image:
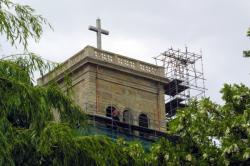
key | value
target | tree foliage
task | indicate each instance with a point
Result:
(208, 133)
(211, 134)
(246, 53)
(19, 23)
(26, 108)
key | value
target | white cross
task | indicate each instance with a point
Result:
(99, 31)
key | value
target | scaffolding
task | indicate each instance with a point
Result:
(184, 69)
(185, 72)
(116, 122)
(133, 128)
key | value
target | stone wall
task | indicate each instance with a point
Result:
(100, 87)
(101, 79)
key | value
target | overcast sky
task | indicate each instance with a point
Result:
(142, 29)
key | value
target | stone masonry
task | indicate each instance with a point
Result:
(101, 79)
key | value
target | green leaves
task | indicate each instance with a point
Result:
(25, 109)
(28, 108)
(237, 97)
(213, 134)
(27, 121)
(56, 139)
(247, 53)
(209, 134)
(5, 151)
(19, 23)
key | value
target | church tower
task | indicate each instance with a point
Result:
(111, 86)
(115, 91)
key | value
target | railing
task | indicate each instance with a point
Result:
(129, 62)
(62, 68)
(90, 108)
(103, 56)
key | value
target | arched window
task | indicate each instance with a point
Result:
(127, 117)
(111, 111)
(143, 120)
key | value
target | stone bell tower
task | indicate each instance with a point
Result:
(114, 90)
(106, 84)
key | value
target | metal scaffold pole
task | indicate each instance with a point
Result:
(184, 69)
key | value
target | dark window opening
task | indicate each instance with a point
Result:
(113, 113)
(143, 122)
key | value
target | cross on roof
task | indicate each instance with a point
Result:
(99, 31)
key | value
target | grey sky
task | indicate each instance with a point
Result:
(144, 28)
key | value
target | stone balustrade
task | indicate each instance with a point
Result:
(129, 62)
(105, 56)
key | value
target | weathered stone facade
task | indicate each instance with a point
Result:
(102, 79)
